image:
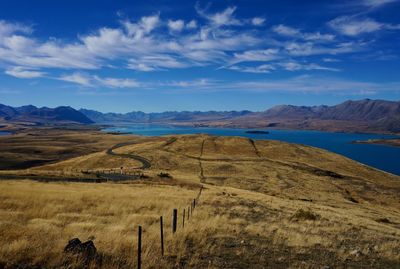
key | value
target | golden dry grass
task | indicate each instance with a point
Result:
(231, 228)
(38, 219)
(266, 204)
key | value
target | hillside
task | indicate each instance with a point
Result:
(265, 204)
(43, 115)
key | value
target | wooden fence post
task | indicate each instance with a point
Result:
(188, 212)
(174, 220)
(183, 219)
(139, 257)
(162, 236)
(194, 203)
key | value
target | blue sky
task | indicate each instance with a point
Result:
(119, 55)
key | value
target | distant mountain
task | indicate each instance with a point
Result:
(32, 114)
(362, 110)
(378, 116)
(162, 117)
(7, 112)
(364, 115)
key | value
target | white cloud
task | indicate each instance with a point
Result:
(223, 18)
(192, 24)
(285, 30)
(330, 60)
(149, 23)
(201, 83)
(257, 21)
(77, 78)
(21, 72)
(318, 36)
(145, 26)
(96, 81)
(155, 62)
(261, 69)
(377, 3)
(296, 33)
(117, 82)
(285, 65)
(354, 25)
(256, 56)
(309, 48)
(295, 66)
(300, 84)
(8, 28)
(176, 26)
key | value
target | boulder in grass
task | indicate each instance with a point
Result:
(85, 251)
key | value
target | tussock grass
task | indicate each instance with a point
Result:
(38, 219)
(230, 228)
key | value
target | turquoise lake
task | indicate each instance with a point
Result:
(383, 157)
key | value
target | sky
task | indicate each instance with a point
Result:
(153, 56)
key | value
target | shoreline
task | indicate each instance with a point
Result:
(266, 129)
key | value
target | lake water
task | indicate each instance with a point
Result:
(4, 133)
(386, 158)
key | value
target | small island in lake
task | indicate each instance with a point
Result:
(388, 142)
(257, 132)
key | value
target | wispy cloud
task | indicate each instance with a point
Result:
(21, 72)
(261, 69)
(377, 3)
(355, 25)
(288, 65)
(223, 18)
(298, 84)
(78, 78)
(8, 28)
(117, 82)
(258, 21)
(296, 33)
(295, 66)
(97, 81)
(155, 62)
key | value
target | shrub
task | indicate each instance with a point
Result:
(164, 175)
(302, 214)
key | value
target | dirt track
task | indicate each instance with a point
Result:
(145, 163)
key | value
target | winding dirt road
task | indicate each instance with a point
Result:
(146, 164)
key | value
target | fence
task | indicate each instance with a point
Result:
(190, 209)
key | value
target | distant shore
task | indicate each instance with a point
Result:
(395, 142)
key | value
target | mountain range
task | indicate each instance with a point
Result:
(379, 116)
(43, 115)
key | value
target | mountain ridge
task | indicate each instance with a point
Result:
(359, 116)
(42, 115)
(366, 115)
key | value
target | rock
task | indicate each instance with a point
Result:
(86, 251)
(72, 245)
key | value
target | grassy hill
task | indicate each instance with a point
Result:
(266, 204)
